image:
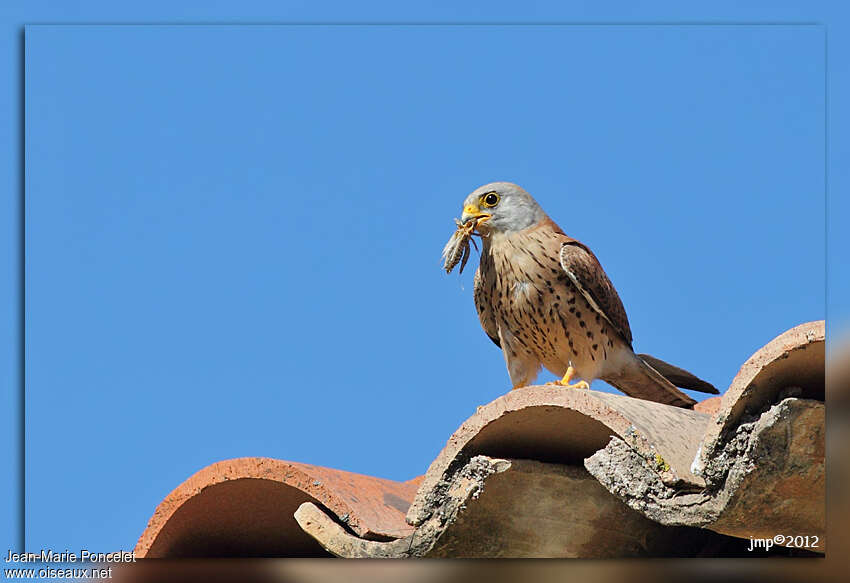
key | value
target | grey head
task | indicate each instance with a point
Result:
(501, 207)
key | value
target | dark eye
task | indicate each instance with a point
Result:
(490, 199)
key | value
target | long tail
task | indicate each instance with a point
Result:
(678, 376)
(639, 379)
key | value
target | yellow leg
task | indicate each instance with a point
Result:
(565, 382)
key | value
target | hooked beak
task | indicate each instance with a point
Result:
(472, 212)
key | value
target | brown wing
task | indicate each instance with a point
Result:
(485, 309)
(587, 275)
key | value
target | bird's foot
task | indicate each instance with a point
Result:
(565, 382)
(578, 385)
(526, 382)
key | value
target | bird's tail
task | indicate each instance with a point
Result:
(641, 378)
(678, 376)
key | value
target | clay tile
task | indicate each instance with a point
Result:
(245, 507)
(709, 406)
(551, 424)
(793, 360)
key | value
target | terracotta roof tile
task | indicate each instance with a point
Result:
(245, 507)
(548, 423)
(544, 471)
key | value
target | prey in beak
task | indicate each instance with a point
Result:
(470, 223)
(472, 212)
(457, 249)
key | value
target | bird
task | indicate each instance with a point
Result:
(544, 299)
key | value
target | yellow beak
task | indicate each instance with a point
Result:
(471, 212)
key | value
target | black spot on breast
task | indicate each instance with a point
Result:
(581, 323)
(595, 346)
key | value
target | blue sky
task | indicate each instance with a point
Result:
(233, 232)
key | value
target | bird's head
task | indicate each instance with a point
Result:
(501, 207)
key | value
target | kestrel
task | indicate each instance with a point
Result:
(545, 300)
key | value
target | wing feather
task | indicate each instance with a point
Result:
(485, 309)
(587, 275)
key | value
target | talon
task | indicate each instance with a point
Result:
(565, 382)
(523, 383)
(578, 385)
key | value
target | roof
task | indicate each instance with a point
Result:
(544, 471)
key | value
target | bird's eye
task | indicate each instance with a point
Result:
(490, 199)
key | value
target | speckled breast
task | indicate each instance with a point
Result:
(533, 298)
